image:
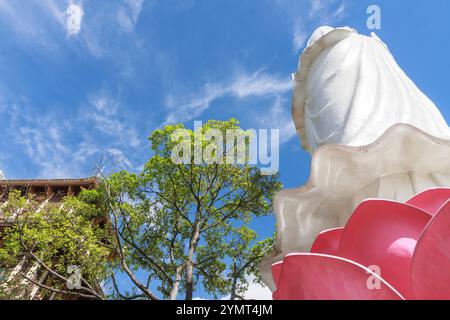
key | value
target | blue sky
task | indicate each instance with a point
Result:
(71, 95)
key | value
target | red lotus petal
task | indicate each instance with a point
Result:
(276, 272)
(384, 233)
(327, 242)
(430, 200)
(308, 276)
(430, 269)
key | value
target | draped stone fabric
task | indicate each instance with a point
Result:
(371, 131)
(350, 90)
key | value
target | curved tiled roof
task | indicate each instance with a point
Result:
(83, 182)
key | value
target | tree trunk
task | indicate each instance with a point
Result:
(190, 262)
(176, 285)
(234, 283)
(233, 288)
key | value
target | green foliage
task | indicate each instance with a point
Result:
(181, 223)
(57, 235)
(245, 253)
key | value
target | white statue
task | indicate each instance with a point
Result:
(350, 90)
(372, 132)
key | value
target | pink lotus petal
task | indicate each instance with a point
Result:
(430, 269)
(384, 233)
(309, 276)
(327, 242)
(430, 200)
(276, 271)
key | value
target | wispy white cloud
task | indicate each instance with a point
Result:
(273, 113)
(299, 36)
(113, 157)
(260, 83)
(43, 23)
(85, 150)
(33, 21)
(310, 14)
(103, 103)
(43, 143)
(128, 14)
(327, 11)
(318, 7)
(119, 159)
(59, 147)
(243, 85)
(54, 9)
(44, 140)
(108, 20)
(50, 24)
(105, 114)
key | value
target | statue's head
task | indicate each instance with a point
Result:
(319, 33)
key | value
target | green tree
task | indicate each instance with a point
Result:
(41, 242)
(182, 222)
(176, 220)
(245, 254)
